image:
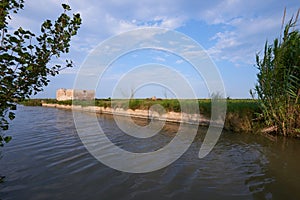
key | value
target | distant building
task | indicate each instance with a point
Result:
(70, 94)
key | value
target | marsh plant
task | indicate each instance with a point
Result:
(278, 87)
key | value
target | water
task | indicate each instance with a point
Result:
(46, 160)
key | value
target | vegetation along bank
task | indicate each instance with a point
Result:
(242, 114)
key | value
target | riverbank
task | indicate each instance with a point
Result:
(239, 117)
(137, 113)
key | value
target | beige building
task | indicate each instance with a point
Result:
(70, 94)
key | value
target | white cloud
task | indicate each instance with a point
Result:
(243, 25)
(161, 59)
(247, 38)
(179, 61)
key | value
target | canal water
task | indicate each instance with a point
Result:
(46, 160)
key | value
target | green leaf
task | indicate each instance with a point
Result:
(13, 107)
(29, 68)
(7, 139)
(4, 127)
(66, 7)
(11, 115)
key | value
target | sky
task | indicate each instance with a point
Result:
(230, 32)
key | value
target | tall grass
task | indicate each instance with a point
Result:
(278, 86)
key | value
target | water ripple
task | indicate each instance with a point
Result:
(46, 160)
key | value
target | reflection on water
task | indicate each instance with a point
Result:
(46, 160)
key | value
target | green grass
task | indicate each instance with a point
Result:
(31, 102)
(242, 106)
(239, 116)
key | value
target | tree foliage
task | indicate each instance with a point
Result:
(25, 57)
(278, 86)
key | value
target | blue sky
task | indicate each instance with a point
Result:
(230, 31)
